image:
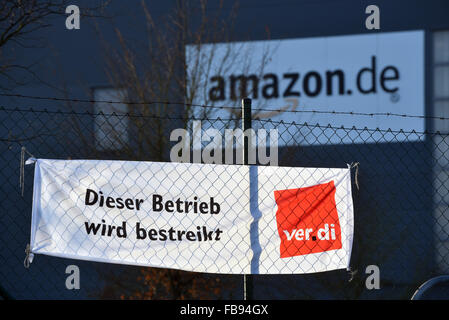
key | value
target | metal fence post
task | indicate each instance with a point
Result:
(246, 124)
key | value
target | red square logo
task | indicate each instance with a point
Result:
(307, 220)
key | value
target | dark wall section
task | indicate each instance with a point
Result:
(392, 208)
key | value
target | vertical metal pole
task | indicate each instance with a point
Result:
(246, 124)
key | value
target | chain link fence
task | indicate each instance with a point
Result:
(400, 206)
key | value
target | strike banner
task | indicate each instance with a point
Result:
(195, 217)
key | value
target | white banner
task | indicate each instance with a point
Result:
(194, 217)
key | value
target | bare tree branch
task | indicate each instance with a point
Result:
(20, 24)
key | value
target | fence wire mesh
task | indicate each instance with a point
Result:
(400, 208)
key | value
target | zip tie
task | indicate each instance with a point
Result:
(352, 273)
(28, 257)
(23, 150)
(22, 171)
(356, 180)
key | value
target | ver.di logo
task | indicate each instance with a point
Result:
(307, 220)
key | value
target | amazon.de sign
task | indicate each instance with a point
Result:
(367, 73)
